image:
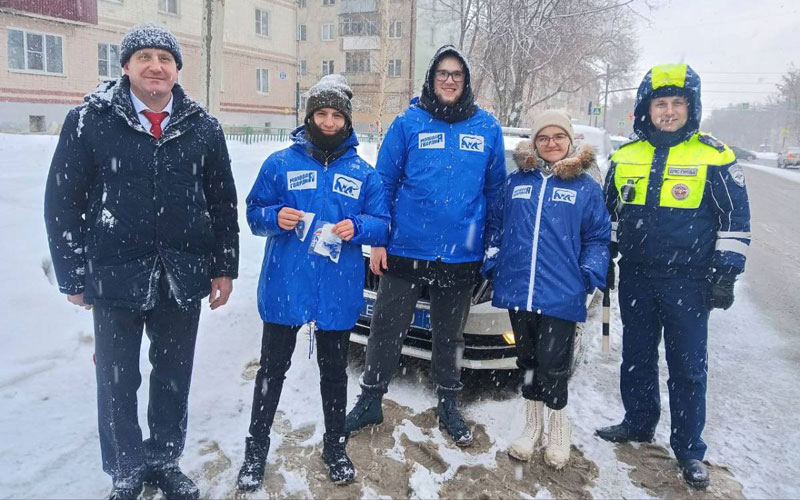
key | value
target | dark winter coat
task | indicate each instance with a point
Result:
(120, 204)
(549, 236)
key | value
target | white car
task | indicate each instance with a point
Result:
(488, 338)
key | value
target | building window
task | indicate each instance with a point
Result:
(328, 32)
(302, 67)
(168, 6)
(357, 26)
(35, 52)
(262, 22)
(396, 29)
(327, 67)
(395, 67)
(328, 2)
(301, 32)
(301, 3)
(108, 60)
(356, 62)
(303, 101)
(262, 80)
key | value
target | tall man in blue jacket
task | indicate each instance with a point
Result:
(442, 163)
(140, 208)
(681, 223)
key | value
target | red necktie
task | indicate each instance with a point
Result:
(155, 121)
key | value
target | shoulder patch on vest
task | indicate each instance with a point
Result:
(710, 140)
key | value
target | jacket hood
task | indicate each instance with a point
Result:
(571, 167)
(115, 94)
(667, 80)
(465, 106)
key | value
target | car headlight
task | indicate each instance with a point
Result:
(508, 336)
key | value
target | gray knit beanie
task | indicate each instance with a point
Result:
(556, 117)
(149, 36)
(331, 91)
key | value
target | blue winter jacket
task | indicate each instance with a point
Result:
(296, 286)
(439, 178)
(549, 237)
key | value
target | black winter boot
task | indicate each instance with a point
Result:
(255, 463)
(622, 433)
(125, 492)
(173, 482)
(694, 473)
(367, 411)
(450, 418)
(334, 454)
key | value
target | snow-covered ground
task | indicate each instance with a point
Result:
(48, 434)
(790, 174)
(765, 156)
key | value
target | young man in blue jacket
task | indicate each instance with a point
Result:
(681, 224)
(140, 208)
(442, 163)
(316, 202)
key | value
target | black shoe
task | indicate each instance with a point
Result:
(367, 411)
(621, 433)
(334, 454)
(172, 482)
(450, 418)
(255, 463)
(694, 473)
(125, 492)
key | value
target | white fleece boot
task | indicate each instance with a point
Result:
(523, 447)
(558, 442)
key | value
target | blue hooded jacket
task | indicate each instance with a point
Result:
(548, 243)
(653, 233)
(439, 179)
(296, 286)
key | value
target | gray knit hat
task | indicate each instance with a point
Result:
(331, 91)
(149, 36)
(556, 117)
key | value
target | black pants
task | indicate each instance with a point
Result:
(393, 313)
(118, 340)
(544, 352)
(277, 346)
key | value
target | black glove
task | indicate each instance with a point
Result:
(720, 293)
(611, 275)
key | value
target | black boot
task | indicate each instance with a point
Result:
(450, 418)
(173, 482)
(255, 462)
(621, 433)
(694, 473)
(334, 454)
(119, 492)
(367, 411)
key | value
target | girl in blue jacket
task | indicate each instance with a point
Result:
(548, 248)
(316, 202)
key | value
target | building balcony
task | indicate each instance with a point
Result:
(361, 43)
(357, 6)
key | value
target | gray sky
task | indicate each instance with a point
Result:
(739, 47)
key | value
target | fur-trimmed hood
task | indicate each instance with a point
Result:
(577, 161)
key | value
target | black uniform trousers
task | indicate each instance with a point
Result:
(172, 330)
(544, 352)
(277, 345)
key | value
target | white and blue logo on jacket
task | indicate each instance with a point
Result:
(523, 192)
(431, 140)
(301, 179)
(346, 186)
(467, 142)
(565, 195)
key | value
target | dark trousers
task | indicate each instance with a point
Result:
(118, 339)
(392, 316)
(544, 352)
(676, 306)
(277, 345)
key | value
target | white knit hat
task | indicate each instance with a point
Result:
(554, 117)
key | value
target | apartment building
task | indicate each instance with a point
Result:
(56, 51)
(377, 45)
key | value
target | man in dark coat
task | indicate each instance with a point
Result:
(140, 208)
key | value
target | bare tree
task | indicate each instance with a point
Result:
(789, 102)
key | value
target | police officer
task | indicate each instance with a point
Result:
(681, 224)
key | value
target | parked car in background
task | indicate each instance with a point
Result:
(488, 338)
(618, 140)
(743, 154)
(789, 158)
